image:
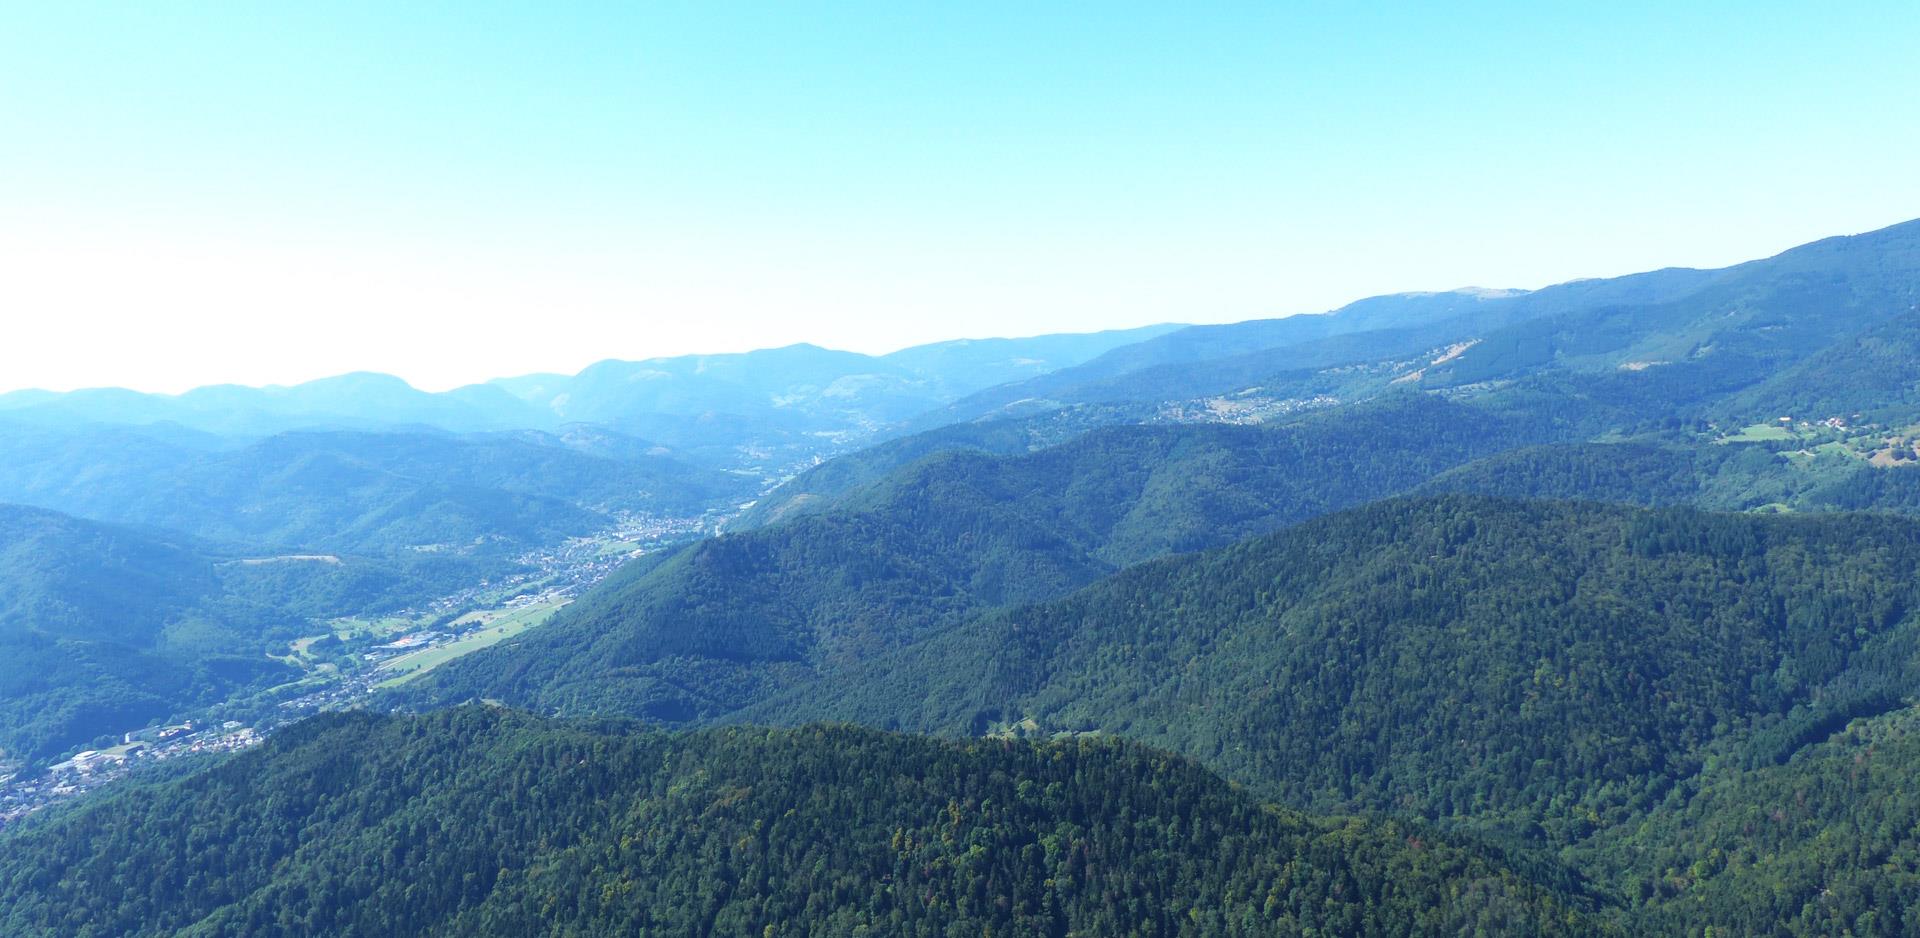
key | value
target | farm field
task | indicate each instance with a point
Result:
(498, 625)
(1761, 433)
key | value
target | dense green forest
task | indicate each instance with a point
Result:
(479, 821)
(1620, 650)
(353, 492)
(1872, 375)
(820, 488)
(1222, 359)
(728, 621)
(1676, 340)
(56, 695)
(879, 549)
(112, 625)
(106, 627)
(1786, 475)
(1551, 677)
(1530, 669)
(1627, 473)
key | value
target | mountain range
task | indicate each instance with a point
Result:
(1582, 610)
(707, 407)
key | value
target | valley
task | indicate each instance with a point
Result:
(1594, 603)
(1010, 470)
(344, 666)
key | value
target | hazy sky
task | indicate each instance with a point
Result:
(255, 192)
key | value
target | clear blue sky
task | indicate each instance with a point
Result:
(272, 192)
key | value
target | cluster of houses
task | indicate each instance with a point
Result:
(25, 793)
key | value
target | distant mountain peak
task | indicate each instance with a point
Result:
(364, 379)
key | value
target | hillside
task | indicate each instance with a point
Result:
(104, 628)
(821, 486)
(1787, 473)
(364, 400)
(1764, 314)
(1672, 341)
(485, 822)
(1824, 844)
(1700, 713)
(1382, 326)
(85, 611)
(1686, 471)
(728, 621)
(69, 578)
(353, 491)
(1874, 375)
(1534, 671)
(1626, 473)
(765, 410)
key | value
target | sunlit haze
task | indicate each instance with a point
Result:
(446, 194)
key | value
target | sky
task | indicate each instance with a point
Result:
(269, 193)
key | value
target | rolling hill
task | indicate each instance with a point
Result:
(811, 491)
(356, 492)
(730, 620)
(1309, 554)
(1533, 671)
(1237, 354)
(484, 822)
(1872, 375)
(765, 409)
(104, 628)
(1823, 844)
(1678, 339)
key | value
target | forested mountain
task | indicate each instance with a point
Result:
(1874, 375)
(1694, 335)
(811, 383)
(812, 491)
(1760, 316)
(1636, 473)
(104, 627)
(762, 408)
(361, 399)
(1616, 707)
(962, 366)
(1784, 474)
(354, 491)
(1394, 424)
(479, 821)
(1240, 354)
(780, 407)
(1742, 477)
(775, 408)
(107, 627)
(70, 578)
(1825, 844)
(1817, 331)
(730, 620)
(1536, 672)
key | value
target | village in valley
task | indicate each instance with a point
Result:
(343, 666)
(22, 793)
